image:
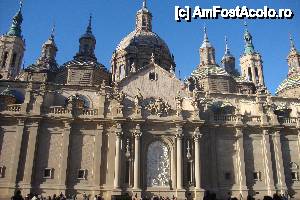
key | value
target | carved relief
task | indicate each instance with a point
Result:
(158, 107)
(158, 165)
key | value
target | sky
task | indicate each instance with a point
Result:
(113, 20)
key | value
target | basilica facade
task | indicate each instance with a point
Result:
(137, 129)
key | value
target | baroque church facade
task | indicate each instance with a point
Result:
(138, 129)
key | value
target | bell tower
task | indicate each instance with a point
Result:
(251, 62)
(12, 47)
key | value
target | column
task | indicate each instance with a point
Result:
(279, 162)
(213, 161)
(197, 137)
(16, 155)
(118, 133)
(136, 164)
(64, 155)
(97, 155)
(179, 136)
(241, 161)
(268, 162)
(28, 169)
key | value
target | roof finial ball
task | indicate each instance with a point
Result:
(144, 3)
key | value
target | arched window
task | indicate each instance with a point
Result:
(4, 59)
(249, 74)
(13, 62)
(158, 165)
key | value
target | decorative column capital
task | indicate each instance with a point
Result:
(197, 134)
(239, 132)
(179, 129)
(137, 132)
(266, 132)
(118, 130)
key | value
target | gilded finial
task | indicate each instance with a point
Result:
(227, 51)
(89, 28)
(205, 33)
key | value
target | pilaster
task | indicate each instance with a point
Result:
(199, 192)
(119, 133)
(241, 162)
(269, 179)
(33, 129)
(97, 156)
(63, 166)
(281, 184)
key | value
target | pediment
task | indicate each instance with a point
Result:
(153, 82)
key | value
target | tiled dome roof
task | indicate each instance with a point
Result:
(204, 71)
(290, 82)
(142, 38)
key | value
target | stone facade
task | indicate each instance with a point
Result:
(78, 128)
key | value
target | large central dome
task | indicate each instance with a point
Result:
(136, 49)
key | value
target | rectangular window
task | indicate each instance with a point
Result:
(48, 173)
(257, 176)
(2, 171)
(294, 176)
(82, 174)
(4, 59)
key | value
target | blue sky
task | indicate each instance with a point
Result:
(113, 20)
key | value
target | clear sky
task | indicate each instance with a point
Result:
(113, 20)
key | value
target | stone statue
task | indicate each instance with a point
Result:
(138, 99)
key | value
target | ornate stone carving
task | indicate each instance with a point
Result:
(158, 165)
(158, 107)
(178, 100)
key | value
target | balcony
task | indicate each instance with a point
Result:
(12, 108)
(60, 111)
(222, 118)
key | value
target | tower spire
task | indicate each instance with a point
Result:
(52, 35)
(89, 27)
(15, 28)
(206, 42)
(227, 50)
(292, 43)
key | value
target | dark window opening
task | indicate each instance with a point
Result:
(4, 59)
(48, 173)
(257, 176)
(249, 74)
(13, 62)
(81, 174)
(144, 21)
(294, 176)
(152, 76)
(256, 74)
(189, 170)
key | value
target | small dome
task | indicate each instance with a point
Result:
(289, 83)
(141, 39)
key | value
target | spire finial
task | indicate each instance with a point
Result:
(21, 5)
(144, 3)
(53, 31)
(227, 50)
(292, 42)
(89, 28)
(246, 25)
(205, 33)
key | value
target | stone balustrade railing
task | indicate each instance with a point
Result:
(13, 108)
(59, 110)
(224, 118)
(89, 112)
(287, 120)
(255, 119)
